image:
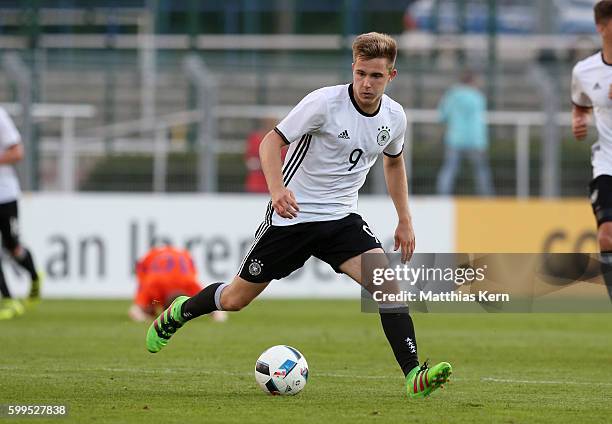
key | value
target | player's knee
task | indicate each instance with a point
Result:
(16, 252)
(604, 236)
(234, 303)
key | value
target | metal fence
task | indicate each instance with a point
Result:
(153, 148)
(146, 116)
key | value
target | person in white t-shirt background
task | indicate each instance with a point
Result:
(335, 134)
(11, 152)
(592, 92)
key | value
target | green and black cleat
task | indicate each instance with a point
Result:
(165, 325)
(422, 381)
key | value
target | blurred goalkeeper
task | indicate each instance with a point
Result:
(163, 274)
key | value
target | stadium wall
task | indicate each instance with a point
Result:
(87, 243)
(527, 226)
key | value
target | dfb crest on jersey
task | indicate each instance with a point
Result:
(383, 135)
(255, 267)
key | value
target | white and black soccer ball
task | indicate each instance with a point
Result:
(281, 370)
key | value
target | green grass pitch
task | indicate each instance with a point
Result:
(510, 368)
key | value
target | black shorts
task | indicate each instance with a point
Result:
(278, 251)
(9, 228)
(600, 190)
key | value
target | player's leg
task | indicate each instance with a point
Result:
(343, 247)
(604, 238)
(5, 233)
(23, 257)
(9, 307)
(222, 297)
(396, 321)
(214, 297)
(192, 287)
(4, 290)
(397, 324)
(20, 253)
(601, 201)
(275, 253)
(343, 244)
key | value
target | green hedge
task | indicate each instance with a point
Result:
(135, 172)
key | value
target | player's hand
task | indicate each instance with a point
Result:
(137, 314)
(579, 127)
(404, 240)
(284, 203)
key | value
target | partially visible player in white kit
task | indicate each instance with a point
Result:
(335, 135)
(11, 152)
(592, 92)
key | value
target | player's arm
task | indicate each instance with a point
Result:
(582, 104)
(397, 186)
(12, 155)
(580, 120)
(283, 200)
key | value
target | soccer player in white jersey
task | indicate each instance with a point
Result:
(11, 151)
(592, 92)
(335, 134)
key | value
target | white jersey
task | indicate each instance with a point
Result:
(333, 145)
(9, 136)
(591, 80)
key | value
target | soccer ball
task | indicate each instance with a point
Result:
(281, 370)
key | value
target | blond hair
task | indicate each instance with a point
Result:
(374, 45)
(603, 11)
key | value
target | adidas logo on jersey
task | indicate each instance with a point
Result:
(596, 86)
(344, 135)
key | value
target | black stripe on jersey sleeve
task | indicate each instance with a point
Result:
(279, 132)
(586, 107)
(293, 157)
(395, 156)
(302, 155)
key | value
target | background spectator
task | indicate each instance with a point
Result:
(255, 179)
(463, 110)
